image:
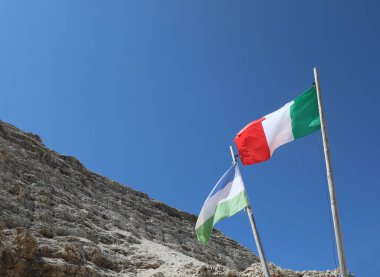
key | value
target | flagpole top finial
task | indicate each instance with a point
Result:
(234, 157)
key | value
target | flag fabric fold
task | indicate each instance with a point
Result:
(226, 199)
(257, 141)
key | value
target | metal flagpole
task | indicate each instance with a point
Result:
(254, 230)
(330, 180)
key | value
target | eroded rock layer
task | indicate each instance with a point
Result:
(59, 219)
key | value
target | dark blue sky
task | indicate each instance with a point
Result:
(152, 93)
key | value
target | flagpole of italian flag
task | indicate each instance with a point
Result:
(330, 180)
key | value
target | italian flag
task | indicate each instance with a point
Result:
(257, 141)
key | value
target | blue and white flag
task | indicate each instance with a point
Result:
(226, 199)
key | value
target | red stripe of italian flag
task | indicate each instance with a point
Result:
(257, 141)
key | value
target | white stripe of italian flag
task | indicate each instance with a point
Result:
(257, 141)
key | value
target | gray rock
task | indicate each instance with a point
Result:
(57, 218)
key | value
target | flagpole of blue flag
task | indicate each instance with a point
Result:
(254, 229)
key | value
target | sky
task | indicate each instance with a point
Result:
(152, 93)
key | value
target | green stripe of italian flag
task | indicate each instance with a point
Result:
(257, 141)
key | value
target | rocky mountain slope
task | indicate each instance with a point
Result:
(59, 219)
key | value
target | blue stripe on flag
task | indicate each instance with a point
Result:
(228, 177)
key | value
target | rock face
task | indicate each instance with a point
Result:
(59, 219)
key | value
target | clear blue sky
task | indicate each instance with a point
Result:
(152, 93)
